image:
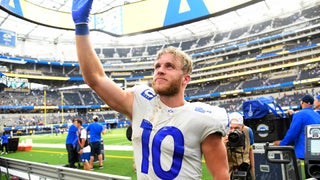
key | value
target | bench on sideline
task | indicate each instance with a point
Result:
(32, 170)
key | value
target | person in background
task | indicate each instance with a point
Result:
(5, 139)
(317, 104)
(71, 144)
(83, 144)
(95, 130)
(240, 156)
(56, 130)
(295, 134)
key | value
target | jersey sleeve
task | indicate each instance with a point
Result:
(143, 101)
(142, 92)
(221, 120)
(216, 121)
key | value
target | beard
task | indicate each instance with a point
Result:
(170, 89)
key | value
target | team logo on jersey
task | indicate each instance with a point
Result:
(148, 94)
(200, 109)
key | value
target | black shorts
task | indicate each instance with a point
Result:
(95, 148)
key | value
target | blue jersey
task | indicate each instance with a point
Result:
(4, 138)
(95, 129)
(72, 135)
(296, 135)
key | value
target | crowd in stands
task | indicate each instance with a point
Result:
(32, 98)
(52, 98)
(256, 81)
(38, 119)
(191, 45)
(286, 100)
(88, 97)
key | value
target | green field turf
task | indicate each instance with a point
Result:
(116, 162)
(112, 137)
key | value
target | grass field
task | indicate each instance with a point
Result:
(116, 162)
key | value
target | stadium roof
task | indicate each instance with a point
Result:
(256, 12)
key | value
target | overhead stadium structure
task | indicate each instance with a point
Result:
(237, 53)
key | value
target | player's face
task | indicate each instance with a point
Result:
(77, 124)
(168, 76)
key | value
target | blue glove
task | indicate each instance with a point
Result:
(80, 14)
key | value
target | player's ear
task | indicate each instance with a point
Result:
(186, 79)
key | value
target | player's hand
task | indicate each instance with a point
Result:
(81, 151)
(290, 112)
(225, 139)
(81, 11)
(276, 143)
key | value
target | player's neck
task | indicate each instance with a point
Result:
(173, 101)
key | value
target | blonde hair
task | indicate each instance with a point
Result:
(178, 55)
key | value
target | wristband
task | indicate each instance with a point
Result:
(82, 29)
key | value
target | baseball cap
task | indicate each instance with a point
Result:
(95, 117)
(307, 99)
(236, 118)
(318, 97)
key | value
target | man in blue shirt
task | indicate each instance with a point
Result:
(317, 104)
(295, 134)
(5, 139)
(95, 129)
(71, 143)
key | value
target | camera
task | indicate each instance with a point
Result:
(312, 150)
(236, 139)
(242, 173)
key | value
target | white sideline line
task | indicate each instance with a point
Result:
(106, 147)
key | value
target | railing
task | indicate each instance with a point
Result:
(32, 170)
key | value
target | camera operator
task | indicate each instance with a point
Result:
(239, 143)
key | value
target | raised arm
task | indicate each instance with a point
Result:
(91, 67)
